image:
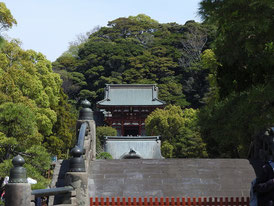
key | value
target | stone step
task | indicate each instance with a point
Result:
(170, 177)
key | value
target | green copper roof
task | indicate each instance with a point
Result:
(131, 95)
(146, 147)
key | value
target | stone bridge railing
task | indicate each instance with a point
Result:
(75, 191)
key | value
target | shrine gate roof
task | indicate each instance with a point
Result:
(131, 95)
(146, 147)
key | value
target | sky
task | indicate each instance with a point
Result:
(48, 26)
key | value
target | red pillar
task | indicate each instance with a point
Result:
(140, 127)
(122, 128)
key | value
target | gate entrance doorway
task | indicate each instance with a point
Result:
(131, 130)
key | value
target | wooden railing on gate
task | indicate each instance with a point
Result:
(200, 201)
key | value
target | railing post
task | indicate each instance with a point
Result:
(77, 163)
(77, 177)
(18, 191)
(86, 115)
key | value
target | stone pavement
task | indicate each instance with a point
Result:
(170, 177)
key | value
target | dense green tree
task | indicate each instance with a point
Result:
(62, 138)
(240, 102)
(7, 146)
(228, 126)
(193, 75)
(179, 131)
(210, 63)
(244, 42)
(138, 50)
(6, 20)
(18, 121)
(35, 118)
(29, 87)
(34, 115)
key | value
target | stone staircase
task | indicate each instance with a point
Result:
(170, 177)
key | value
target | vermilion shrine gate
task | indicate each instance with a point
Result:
(126, 107)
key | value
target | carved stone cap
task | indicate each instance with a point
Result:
(18, 173)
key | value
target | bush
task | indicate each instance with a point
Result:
(179, 131)
(104, 155)
(167, 149)
(101, 132)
